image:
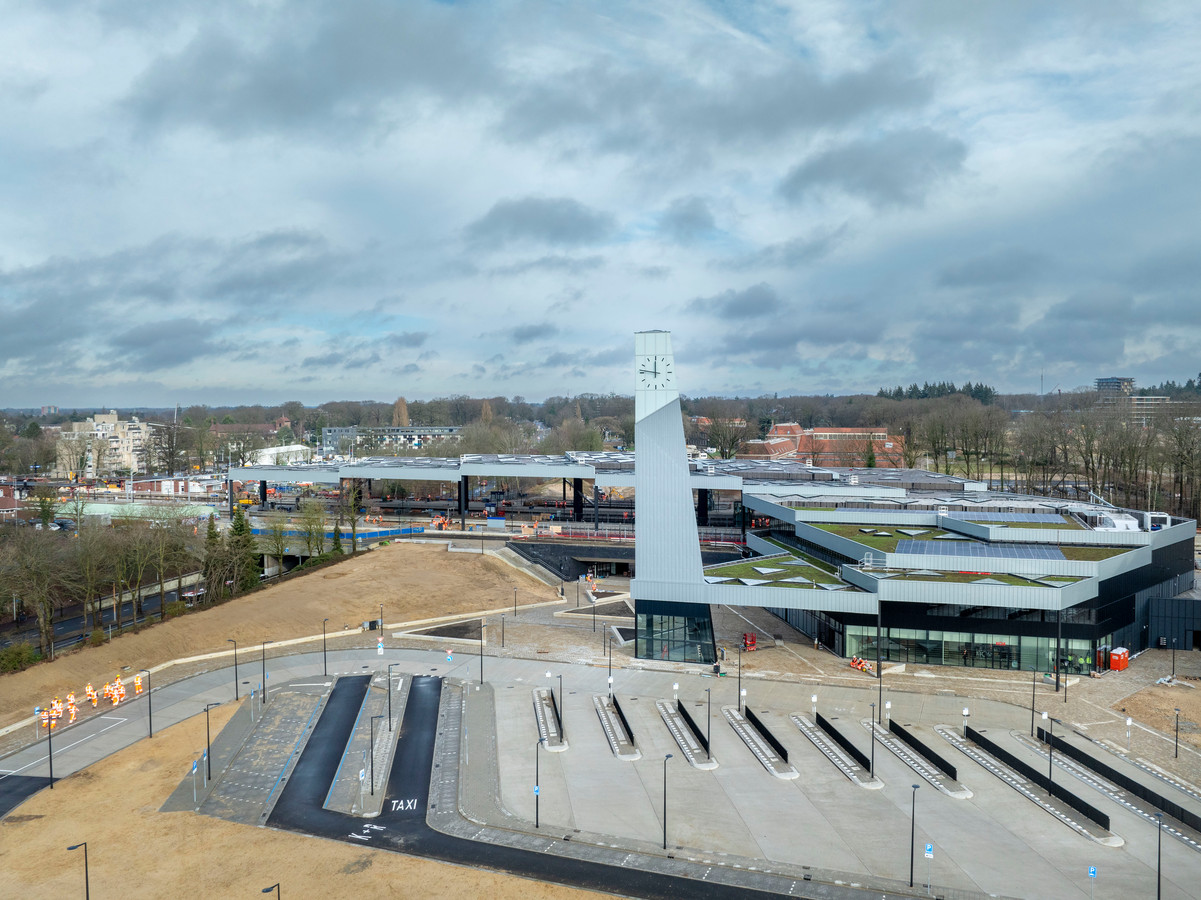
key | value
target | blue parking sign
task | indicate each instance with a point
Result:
(1092, 871)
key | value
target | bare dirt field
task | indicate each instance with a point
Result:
(412, 581)
(1155, 707)
(136, 851)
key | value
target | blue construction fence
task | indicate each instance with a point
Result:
(364, 534)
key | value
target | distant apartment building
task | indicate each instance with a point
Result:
(1118, 394)
(382, 440)
(841, 447)
(100, 445)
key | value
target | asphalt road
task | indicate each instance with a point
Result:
(401, 825)
(69, 629)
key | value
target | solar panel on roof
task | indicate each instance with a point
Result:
(981, 551)
(1031, 518)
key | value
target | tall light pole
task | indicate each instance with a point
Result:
(324, 660)
(1159, 856)
(235, 643)
(966, 713)
(1173, 658)
(208, 742)
(537, 747)
(149, 704)
(515, 609)
(373, 718)
(87, 887)
(1033, 688)
(265, 643)
(274, 887)
(1050, 746)
(502, 631)
(740, 694)
(912, 830)
(665, 759)
(390, 665)
(709, 726)
(50, 749)
(1177, 753)
(483, 633)
(813, 704)
(872, 727)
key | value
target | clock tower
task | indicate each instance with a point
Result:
(667, 552)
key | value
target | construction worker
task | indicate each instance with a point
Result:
(108, 691)
(46, 717)
(72, 709)
(91, 692)
(137, 684)
(71, 699)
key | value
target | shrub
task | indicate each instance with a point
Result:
(96, 638)
(176, 608)
(18, 657)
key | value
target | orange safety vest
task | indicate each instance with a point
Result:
(45, 718)
(137, 684)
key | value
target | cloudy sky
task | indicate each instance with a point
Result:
(230, 202)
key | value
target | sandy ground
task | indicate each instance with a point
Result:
(412, 581)
(136, 851)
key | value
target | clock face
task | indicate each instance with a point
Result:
(655, 373)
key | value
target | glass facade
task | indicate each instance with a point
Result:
(682, 632)
(973, 649)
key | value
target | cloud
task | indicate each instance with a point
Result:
(571, 265)
(532, 332)
(896, 169)
(687, 219)
(1005, 266)
(758, 300)
(791, 254)
(153, 346)
(547, 220)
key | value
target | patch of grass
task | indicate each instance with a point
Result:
(1093, 554)
(746, 569)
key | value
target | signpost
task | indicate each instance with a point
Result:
(379, 648)
(929, 856)
(1092, 879)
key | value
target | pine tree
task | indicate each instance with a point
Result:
(243, 553)
(336, 549)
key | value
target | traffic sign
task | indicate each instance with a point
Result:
(1092, 871)
(379, 648)
(929, 851)
(535, 789)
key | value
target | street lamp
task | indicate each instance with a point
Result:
(665, 759)
(1033, 688)
(50, 749)
(740, 693)
(87, 888)
(709, 726)
(390, 665)
(208, 742)
(235, 643)
(813, 702)
(537, 757)
(1129, 722)
(912, 830)
(872, 727)
(562, 726)
(1177, 753)
(265, 643)
(149, 704)
(515, 609)
(1173, 659)
(1050, 746)
(888, 713)
(274, 887)
(373, 718)
(502, 631)
(966, 713)
(1159, 856)
(324, 662)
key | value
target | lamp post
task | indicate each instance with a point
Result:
(1159, 856)
(1033, 688)
(502, 631)
(665, 759)
(390, 665)
(1173, 659)
(966, 713)
(1129, 722)
(149, 704)
(740, 694)
(274, 887)
(87, 887)
(483, 634)
(515, 609)
(887, 713)
(872, 727)
(912, 830)
(562, 716)
(1176, 755)
(709, 726)
(373, 718)
(537, 747)
(208, 742)
(235, 643)
(265, 643)
(1050, 746)
(813, 703)
(50, 750)
(324, 659)
(381, 619)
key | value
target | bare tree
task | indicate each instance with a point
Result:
(727, 437)
(37, 567)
